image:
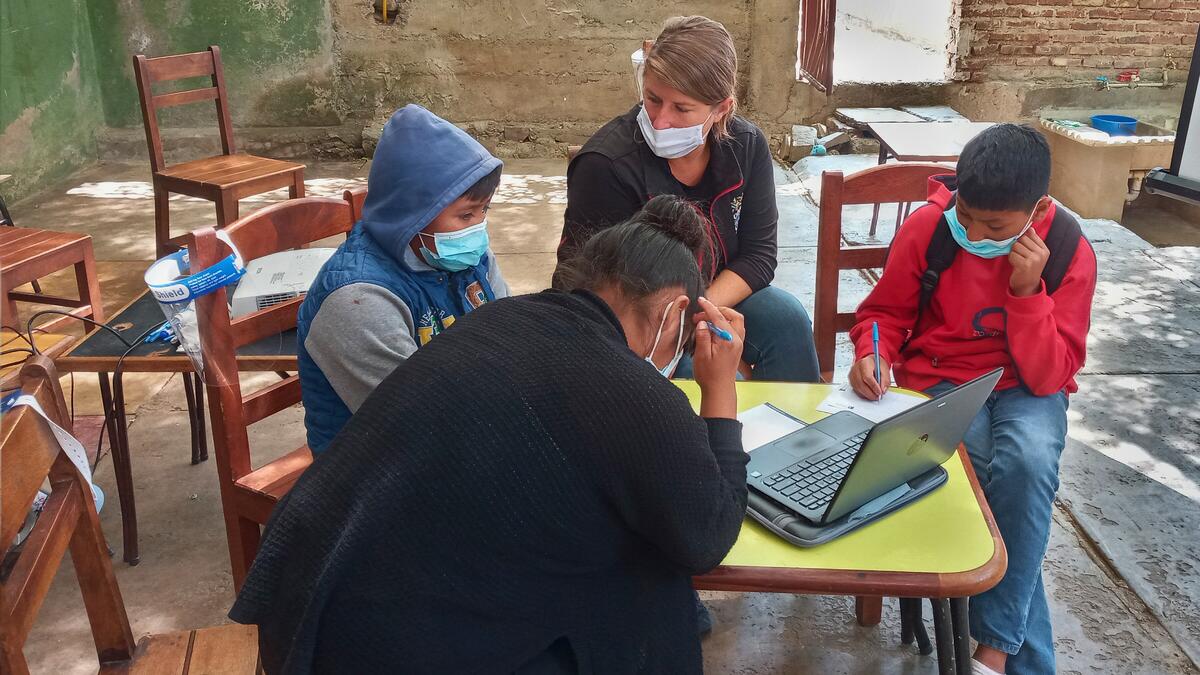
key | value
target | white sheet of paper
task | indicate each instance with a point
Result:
(844, 398)
(763, 424)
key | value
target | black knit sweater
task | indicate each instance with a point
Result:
(523, 477)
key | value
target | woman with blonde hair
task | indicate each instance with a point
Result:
(684, 139)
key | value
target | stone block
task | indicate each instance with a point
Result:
(517, 134)
(802, 141)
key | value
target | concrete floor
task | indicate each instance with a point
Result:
(1121, 566)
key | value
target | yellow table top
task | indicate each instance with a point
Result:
(941, 533)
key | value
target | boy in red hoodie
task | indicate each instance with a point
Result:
(990, 308)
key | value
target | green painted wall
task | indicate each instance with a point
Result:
(50, 102)
(66, 73)
(277, 54)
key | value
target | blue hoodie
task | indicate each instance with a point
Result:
(375, 302)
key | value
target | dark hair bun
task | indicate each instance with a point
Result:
(678, 219)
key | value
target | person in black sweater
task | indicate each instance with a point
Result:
(526, 493)
(684, 139)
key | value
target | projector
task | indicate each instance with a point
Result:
(276, 278)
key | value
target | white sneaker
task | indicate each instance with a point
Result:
(978, 668)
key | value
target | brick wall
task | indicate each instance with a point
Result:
(1074, 39)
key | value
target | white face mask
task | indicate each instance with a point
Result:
(671, 143)
(669, 369)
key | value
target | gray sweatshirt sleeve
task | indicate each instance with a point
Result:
(495, 280)
(358, 337)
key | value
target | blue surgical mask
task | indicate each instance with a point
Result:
(668, 370)
(984, 248)
(671, 143)
(457, 251)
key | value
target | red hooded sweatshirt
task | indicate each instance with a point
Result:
(974, 323)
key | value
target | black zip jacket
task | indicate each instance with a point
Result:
(616, 173)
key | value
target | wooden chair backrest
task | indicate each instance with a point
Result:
(149, 71)
(884, 184)
(29, 454)
(280, 227)
(356, 198)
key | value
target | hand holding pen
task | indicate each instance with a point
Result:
(871, 376)
(719, 332)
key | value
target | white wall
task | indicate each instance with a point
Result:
(925, 22)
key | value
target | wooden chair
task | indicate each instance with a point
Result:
(29, 255)
(6, 219)
(223, 179)
(248, 494)
(884, 184)
(29, 454)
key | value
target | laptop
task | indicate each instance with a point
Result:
(829, 469)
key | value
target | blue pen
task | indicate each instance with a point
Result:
(720, 332)
(875, 344)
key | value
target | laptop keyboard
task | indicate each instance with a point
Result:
(813, 484)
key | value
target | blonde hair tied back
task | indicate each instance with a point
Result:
(696, 56)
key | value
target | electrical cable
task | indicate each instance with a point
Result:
(29, 326)
(116, 374)
(109, 411)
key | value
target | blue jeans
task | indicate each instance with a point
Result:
(779, 339)
(1015, 443)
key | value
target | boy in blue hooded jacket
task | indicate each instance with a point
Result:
(416, 261)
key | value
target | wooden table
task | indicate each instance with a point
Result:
(101, 352)
(27, 255)
(924, 141)
(860, 118)
(920, 142)
(945, 546)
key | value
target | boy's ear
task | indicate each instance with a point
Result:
(1043, 206)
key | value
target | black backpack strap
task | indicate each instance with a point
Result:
(939, 256)
(1062, 240)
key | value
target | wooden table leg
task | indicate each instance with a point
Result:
(961, 621)
(11, 317)
(162, 221)
(868, 610)
(89, 287)
(943, 630)
(227, 209)
(296, 189)
(124, 473)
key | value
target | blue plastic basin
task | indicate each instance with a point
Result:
(1115, 125)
